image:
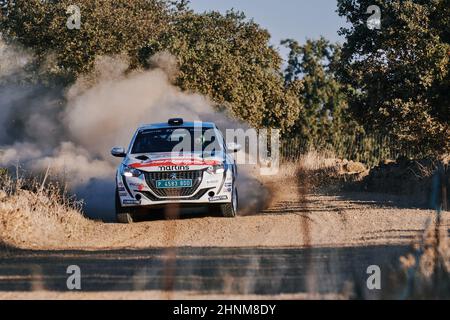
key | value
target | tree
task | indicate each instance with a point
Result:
(324, 118)
(226, 57)
(229, 59)
(401, 72)
(108, 27)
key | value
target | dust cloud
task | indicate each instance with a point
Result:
(71, 130)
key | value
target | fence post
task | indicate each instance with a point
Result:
(444, 175)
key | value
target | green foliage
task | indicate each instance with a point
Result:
(401, 72)
(395, 81)
(323, 120)
(107, 27)
(229, 59)
(225, 57)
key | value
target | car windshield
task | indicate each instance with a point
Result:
(203, 140)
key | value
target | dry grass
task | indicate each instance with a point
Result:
(32, 213)
(314, 161)
(319, 171)
(426, 271)
(310, 162)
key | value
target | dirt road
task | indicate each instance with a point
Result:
(194, 272)
(314, 247)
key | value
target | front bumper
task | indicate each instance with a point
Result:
(142, 192)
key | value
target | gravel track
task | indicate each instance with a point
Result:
(311, 246)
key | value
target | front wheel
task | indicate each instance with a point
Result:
(229, 210)
(123, 215)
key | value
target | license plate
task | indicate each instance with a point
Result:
(173, 184)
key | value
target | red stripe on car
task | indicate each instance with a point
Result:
(181, 162)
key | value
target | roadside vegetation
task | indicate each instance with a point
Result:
(35, 211)
(392, 82)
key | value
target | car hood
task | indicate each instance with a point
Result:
(172, 161)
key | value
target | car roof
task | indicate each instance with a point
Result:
(184, 125)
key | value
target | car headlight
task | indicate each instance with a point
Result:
(217, 169)
(131, 172)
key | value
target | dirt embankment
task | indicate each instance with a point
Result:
(426, 181)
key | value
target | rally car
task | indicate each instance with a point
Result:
(187, 163)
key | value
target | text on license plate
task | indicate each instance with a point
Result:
(169, 184)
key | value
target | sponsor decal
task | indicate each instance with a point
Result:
(173, 168)
(218, 198)
(122, 194)
(121, 189)
(228, 185)
(166, 164)
(212, 182)
(139, 186)
(134, 202)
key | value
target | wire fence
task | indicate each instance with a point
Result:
(367, 149)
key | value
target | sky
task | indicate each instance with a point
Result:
(295, 19)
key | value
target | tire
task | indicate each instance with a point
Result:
(229, 210)
(124, 218)
(123, 215)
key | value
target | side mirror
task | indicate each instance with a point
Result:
(233, 147)
(118, 152)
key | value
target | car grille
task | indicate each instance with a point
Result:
(197, 196)
(195, 176)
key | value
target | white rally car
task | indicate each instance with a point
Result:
(176, 162)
